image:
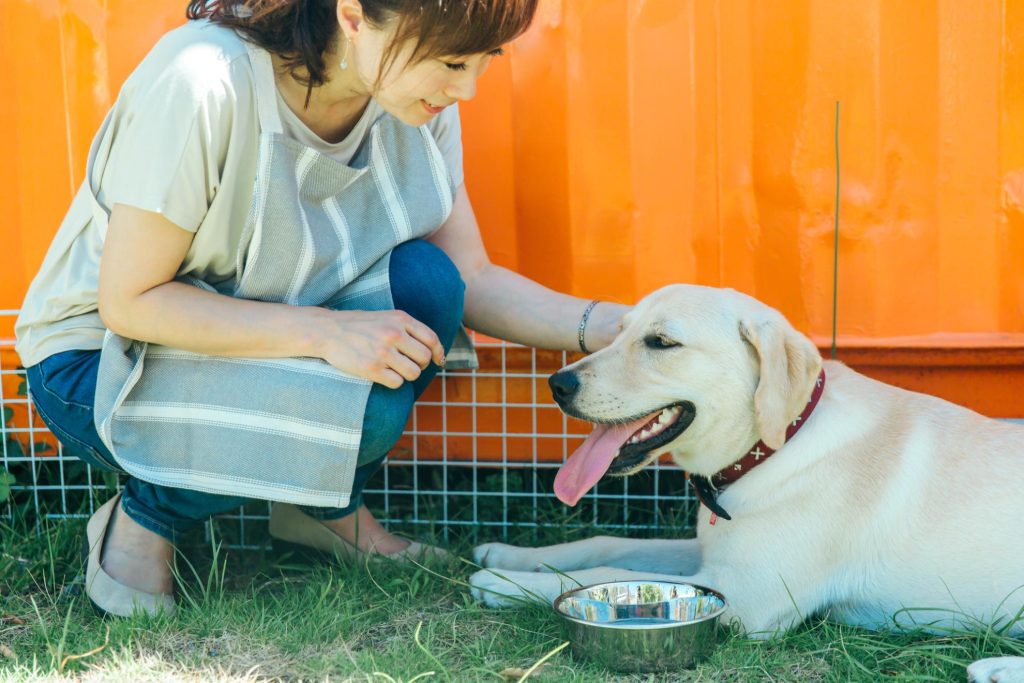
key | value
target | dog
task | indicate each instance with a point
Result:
(883, 508)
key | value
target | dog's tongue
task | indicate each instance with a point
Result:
(592, 459)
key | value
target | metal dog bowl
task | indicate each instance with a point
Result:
(641, 625)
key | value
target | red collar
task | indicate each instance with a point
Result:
(707, 489)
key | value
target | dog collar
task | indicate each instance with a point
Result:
(708, 488)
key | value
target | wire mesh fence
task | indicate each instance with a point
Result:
(477, 460)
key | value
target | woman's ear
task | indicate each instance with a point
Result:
(350, 18)
(789, 367)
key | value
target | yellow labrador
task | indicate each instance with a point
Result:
(832, 492)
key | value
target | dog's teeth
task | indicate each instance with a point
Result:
(656, 427)
(666, 417)
(645, 434)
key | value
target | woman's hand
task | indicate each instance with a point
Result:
(386, 347)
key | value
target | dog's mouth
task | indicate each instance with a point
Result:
(619, 448)
(662, 428)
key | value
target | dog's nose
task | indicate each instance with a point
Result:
(564, 386)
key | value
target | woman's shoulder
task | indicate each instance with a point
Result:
(199, 60)
(199, 44)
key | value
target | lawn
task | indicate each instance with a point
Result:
(256, 616)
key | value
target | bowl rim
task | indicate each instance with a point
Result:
(612, 625)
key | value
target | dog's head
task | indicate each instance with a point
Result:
(698, 372)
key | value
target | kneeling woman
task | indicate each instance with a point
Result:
(271, 254)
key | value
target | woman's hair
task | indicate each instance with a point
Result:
(300, 31)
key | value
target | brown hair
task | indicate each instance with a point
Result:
(301, 31)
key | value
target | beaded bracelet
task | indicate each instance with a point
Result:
(583, 324)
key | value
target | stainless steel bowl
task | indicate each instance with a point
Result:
(641, 625)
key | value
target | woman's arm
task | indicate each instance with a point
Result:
(138, 299)
(509, 306)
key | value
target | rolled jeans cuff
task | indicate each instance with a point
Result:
(172, 534)
(359, 481)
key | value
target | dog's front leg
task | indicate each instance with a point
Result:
(499, 588)
(678, 556)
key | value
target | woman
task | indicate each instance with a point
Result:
(271, 254)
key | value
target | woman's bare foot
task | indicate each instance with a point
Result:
(135, 556)
(362, 530)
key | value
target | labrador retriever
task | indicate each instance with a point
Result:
(824, 491)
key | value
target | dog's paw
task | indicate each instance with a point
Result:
(504, 589)
(504, 556)
(997, 670)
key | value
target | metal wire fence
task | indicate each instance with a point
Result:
(477, 461)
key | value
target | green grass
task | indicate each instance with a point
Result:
(249, 616)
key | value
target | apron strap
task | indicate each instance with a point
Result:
(266, 90)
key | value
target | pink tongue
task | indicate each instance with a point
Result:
(592, 459)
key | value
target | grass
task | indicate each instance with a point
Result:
(252, 616)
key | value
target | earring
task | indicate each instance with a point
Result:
(344, 58)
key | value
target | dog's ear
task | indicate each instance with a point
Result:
(790, 364)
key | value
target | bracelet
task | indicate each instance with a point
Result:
(583, 324)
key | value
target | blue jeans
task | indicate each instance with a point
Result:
(424, 283)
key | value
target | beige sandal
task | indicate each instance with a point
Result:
(108, 595)
(296, 531)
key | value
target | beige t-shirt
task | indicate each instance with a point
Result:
(181, 140)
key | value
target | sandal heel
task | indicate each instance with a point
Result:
(107, 595)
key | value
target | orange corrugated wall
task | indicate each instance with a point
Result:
(625, 144)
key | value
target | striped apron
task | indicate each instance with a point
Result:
(319, 233)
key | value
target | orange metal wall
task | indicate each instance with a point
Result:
(666, 141)
(625, 144)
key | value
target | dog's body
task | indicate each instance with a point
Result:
(887, 508)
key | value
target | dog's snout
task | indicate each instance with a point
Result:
(564, 385)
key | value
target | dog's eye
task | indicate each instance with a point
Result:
(656, 341)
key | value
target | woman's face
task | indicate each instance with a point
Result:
(413, 92)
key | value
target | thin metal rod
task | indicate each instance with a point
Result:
(835, 248)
